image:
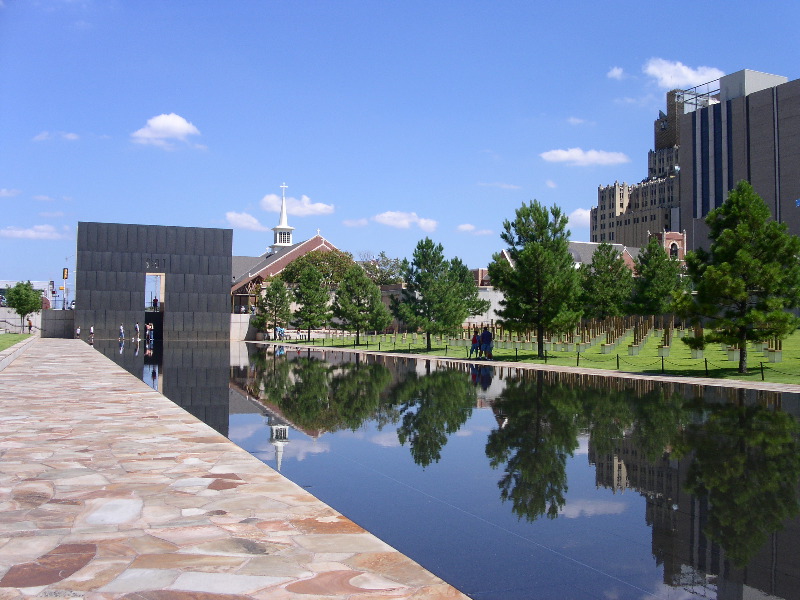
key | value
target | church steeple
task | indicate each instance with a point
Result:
(283, 232)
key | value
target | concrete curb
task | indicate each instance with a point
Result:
(8, 355)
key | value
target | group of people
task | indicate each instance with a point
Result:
(482, 344)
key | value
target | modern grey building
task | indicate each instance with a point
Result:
(190, 268)
(744, 126)
(747, 129)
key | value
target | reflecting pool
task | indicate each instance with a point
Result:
(521, 484)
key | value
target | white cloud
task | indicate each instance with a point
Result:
(501, 185)
(584, 158)
(37, 232)
(404, 220)
(51, 215)
(64, 135)
(551, 184)
(298, 208)
(163, 130)
(43, 198)
(7, 193)
(576, 121)
(355, 222)
(579, 217)
(387, 439)
(469, 228)
(244, 221)
(615, 73)
(673, 74)
(591, 508)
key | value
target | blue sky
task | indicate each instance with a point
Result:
(388, 121)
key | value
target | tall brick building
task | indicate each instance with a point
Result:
(745, 125)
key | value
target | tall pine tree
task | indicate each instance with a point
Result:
(312, 296)
(658, 278)
(750, 276)
(439, 294)
(358, 303)
(606, 284)
(537, 274)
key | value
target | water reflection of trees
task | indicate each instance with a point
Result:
(432, 407)
(746, 460)
(540, 432)
(320, 396)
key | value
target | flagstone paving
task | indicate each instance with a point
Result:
(109, 490)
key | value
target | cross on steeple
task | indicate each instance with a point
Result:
(283, 232)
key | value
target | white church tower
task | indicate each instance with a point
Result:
(283, 232)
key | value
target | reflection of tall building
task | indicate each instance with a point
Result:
(678, 520)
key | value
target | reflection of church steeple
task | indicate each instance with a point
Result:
(283, 232)
(278, 437)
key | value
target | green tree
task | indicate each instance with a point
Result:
(536, 273)
(24, 300)
(433, 406)
(749, 278)
(274, 306)
(607, 283)
(746, 461)
(382, 270)
(658, 278)
(358, 303)
(540, 432)
(331, 264)
(439, 295)
(312, 296)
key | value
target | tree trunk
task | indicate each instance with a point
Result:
(358, 338)
(743, 353)
(428, 340)
(540, 340)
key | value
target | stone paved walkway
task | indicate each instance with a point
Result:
(109, 490)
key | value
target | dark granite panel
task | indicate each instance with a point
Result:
(161, 240)
(83, 229)
(141, 240)
(180, 240)
(116, 261)
(204, 265)
(120, 236)
(191, 242)
(189, 282)
(133, 238)
(99, 236)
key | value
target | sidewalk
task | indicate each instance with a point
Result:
(109, 490)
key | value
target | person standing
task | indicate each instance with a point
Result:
(30, 325)
(486, 343)
(136, 330)
(121, 333)
(78, 333)
(476, 344)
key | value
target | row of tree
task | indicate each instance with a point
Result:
(741, 288)
(438, 296)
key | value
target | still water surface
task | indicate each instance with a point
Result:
(512, 484)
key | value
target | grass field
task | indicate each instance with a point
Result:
(9, 339)
(679, 363)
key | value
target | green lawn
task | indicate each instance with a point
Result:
(678, 363)
(9, 339)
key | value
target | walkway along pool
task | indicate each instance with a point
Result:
(520, 484)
